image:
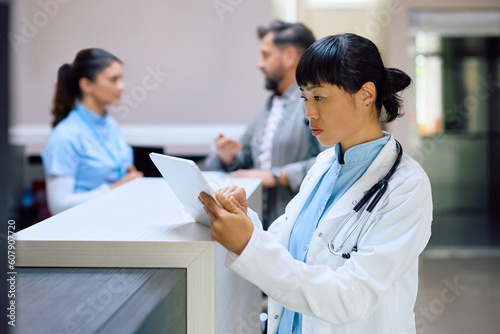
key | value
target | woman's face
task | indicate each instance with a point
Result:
(108, 85)
(336, 116)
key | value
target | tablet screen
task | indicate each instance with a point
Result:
(186, 181)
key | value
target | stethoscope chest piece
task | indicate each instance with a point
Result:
(348, 255)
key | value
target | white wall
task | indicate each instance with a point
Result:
(209, 53)
(330, 19)
(210, 59)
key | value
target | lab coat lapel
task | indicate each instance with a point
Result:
(323, 162)
(344, 206)
(379, 167)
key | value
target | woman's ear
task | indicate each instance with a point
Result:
(86, 86)
(367, 94)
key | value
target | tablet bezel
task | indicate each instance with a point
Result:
(186, 181)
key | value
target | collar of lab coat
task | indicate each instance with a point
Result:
(377, 170)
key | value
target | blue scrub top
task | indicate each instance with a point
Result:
(332, 186)
(89, 147)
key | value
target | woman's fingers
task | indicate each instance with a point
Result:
(230, 226)
(211, 205)
(227, 191)
(232, 188)
(208, 210)
(227, 202)
(223, 190)
(238, 205)
(237, 192)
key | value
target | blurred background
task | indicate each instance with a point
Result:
(202, 55)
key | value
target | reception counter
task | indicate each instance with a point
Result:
(140, 236)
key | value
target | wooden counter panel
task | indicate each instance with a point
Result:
(101, 300)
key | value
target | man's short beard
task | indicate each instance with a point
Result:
(272, 84)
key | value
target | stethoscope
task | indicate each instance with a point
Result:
(378, 190)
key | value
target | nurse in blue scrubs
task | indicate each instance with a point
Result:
(86, 154)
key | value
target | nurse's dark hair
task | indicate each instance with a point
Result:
(87, 64)
(349, 61)
(285, 34)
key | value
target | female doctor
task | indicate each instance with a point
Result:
(325, 267)
(86, 153)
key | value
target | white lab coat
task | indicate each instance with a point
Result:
(372, 292)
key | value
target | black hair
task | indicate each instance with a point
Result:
(87, 64)
(349, 61)
(285, 34)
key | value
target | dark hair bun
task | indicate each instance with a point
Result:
(397, 81)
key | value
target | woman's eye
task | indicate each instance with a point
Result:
(303, 98)
(318, 98)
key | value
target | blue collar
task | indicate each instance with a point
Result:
(92, 116)
(362, 152)
(93, 121)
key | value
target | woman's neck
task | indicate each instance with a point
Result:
(92, 105)
(365, 136)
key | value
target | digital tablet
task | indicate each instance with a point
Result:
(186, 181)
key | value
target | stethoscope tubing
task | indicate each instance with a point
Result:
(378, 190)
(331, 247)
